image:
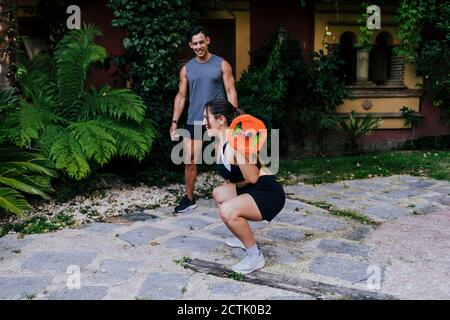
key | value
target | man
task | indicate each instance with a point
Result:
(206, 77)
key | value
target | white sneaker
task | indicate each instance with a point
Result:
(234, 242)
(250, 263)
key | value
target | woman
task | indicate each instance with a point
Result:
(250, 193)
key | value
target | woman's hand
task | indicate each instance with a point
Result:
(249, 170)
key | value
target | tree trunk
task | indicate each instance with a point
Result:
(8, 38)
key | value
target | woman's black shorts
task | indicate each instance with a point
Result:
(268, 195)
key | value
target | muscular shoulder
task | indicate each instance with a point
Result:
(225, 65)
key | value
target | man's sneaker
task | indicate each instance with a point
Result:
(234, 242)
(185, 205)
(250, 263)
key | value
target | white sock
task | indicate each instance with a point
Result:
(252, 250)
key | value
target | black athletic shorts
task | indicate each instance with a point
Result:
(268, 195)
(200, 128)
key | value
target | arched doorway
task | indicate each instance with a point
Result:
(348, 54)
(380, 58)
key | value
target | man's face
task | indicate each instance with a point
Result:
(199, 43)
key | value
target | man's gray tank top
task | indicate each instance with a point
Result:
(205, 84)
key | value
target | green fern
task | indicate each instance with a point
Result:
(68, 155)
(73, 126)
(73, 56)
(95, 141)
(116, 103)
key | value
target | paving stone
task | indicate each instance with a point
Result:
(84, 293)
(138, 216)
(189, 243)
(424, 208)
(211, 214)
(299, 297)
(57, 261)
(224, 232)
(421, 184)
(358, 233)
(333, 187)
(342, 203)
(99, 227)
(163, 286)
(343, 269)
(191, 223)
(142, 235)
(10, 246)
(273, 254)
(221, 231)
(281, 255)
(210, 203)
(113, 271)
(408, 179)
(445, 191)
(285, 234)
(365, 185)
(403, 193)
(386, 211)
(324, 224)
(238, 252)
(443, 200)
(21, 287)
(225, 288)
(339, 246)
(305, 191)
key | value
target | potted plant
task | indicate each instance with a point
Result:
(363, 46)
(356, 128)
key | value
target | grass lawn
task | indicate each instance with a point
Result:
(433, 164)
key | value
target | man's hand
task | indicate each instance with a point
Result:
(173, 127)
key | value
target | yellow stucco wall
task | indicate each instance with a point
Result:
(380, 104)
(328, 19)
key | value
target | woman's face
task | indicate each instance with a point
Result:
(212, 123)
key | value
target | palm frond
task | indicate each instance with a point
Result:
(14, 202)
(67, 155)
(116, 103)
(27, 167)
(7, 99)
(134, 141)
(73, 56)
(22, 187)
(95, 141)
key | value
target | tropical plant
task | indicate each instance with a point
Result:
(411, 119)
(355, 128)
(263, 90)
(363, 40)
(21, 172)
(325, 91)
(74, 127)
(156, 35)
(433, 63)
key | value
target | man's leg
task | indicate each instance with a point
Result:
(193, 153)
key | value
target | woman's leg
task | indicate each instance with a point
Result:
(224, 192)
(236, 212)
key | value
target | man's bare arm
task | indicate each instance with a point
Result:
(228, 82)
(180, 98)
